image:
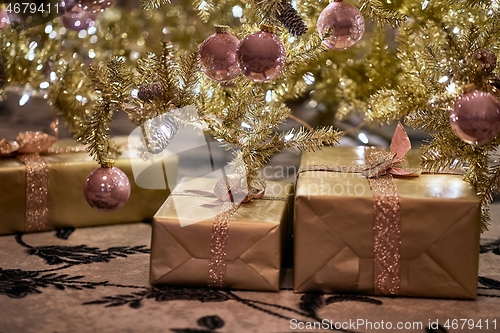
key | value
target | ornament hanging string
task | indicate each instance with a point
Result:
(222, 18)
(210, 154)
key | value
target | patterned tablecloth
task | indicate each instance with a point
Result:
(96, 280)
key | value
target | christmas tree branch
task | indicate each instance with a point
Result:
(189, 72)
(382, 17)
(112, 86)
(63, 98)
(153, 4)
(310, 140)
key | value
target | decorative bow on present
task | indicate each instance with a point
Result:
(27, 148)
(27, 143)
(232, 189)
(380, 166)
(382, 162)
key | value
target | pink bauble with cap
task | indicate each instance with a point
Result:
(343, 22)
(218, 55)
(261, 55)
(4, 18)
(106, 188)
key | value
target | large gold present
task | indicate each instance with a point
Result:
(182, 234)
(334, 231)
(66, 201)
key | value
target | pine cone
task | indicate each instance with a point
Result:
(485, 60)
(291, 20)
(151, 91)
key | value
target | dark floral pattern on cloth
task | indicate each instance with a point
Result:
(209, 323)
(489, 284)
(489, 287)
(163, 294)
(310, 302)
(493, 247)
(64, 233)
(80, 254)
(16, 283)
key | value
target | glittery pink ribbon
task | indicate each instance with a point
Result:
(387, 211)
(230, 195)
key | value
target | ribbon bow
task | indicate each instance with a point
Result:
(27, 143)
(231, 189)
(26, 148)
(386, 162)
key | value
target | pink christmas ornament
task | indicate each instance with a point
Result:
(345, 23)
(218, 55)
(10, 18)
(107, 188)
(476, 117)
(77, 19)
(261, 55)
(95, 6)
(4, 18)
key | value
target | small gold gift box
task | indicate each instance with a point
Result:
(66, 202)
(182, 234)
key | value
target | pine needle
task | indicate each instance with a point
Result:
(153, 4)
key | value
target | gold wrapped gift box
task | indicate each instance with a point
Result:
(333, 231)
(67, 204)
(180, 247)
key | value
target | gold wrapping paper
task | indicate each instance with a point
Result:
(180, 254)
(67, 204)
(333, 231)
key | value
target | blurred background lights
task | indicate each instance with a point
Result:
(24, 99)
(237, 11)
(363, 138)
